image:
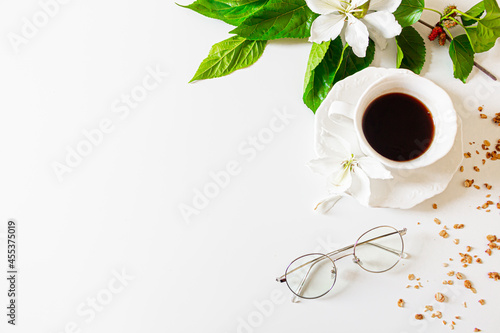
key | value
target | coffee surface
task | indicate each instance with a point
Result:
(398, 126)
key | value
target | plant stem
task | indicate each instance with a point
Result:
(481, 68)
(457, 22)
(448, 35)
(461, 13)
(433, 10)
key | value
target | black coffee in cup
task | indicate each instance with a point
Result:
(398, 126)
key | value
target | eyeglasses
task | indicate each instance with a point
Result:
(313, 275)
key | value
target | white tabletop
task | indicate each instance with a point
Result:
(102, 243)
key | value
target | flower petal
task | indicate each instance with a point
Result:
(379, 40)
(387, 5)
(356, 35)
(357, 3)
(326, 204)
(384, 23)
(326, 27)
(360, 188)
(335, 145)
(340, 180)
(373, 168)
(324, 6)
(326, 166)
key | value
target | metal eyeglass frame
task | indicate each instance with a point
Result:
(356, 260)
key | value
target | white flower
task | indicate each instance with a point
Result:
(347, 170)
(364, 18)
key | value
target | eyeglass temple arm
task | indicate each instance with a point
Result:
(303, 282)
(402, 232)
(304, 279)
(404, 255)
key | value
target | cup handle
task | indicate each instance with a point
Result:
(341, 112)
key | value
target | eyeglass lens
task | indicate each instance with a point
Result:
(379, 249)
(311, 276)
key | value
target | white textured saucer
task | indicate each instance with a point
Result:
(408, 187)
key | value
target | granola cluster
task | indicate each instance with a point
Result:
(467, 257)
(491, 153)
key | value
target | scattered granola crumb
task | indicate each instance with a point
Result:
(457, 317)
(438, 221)
(476, 169)
(419, 316)
(439, 297)
(401, 303)
(477, 330)
(467, 155)
(461, 168)
(465, 304)
(434, 206)
(411, 277)
(491, 238)
(437, 314)
(479, 260)
(460, 276)
(451, 273)
(445, 264)
(456, 241)
(468, 248)
(494, 275)
(480, 108)
(468, 182)
(483, 116)
(482, 301)
(458, 226)
(428, 308)
(496, 119)
(443, 234)
(476, 187)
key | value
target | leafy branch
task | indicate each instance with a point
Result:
(258, 21)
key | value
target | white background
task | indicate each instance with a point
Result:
(118, 210)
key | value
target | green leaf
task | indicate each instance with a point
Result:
(351, 64)
(231, 12)
(324, 60)
(339, 62)
(409, 12)
(476, 11)
(478, 44)
(399, 57)
(228, 56)
(316, 55)
(488, 28)
(413, 48)
(462, 55)
(278, 19)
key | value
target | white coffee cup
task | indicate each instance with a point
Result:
(432, 96)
